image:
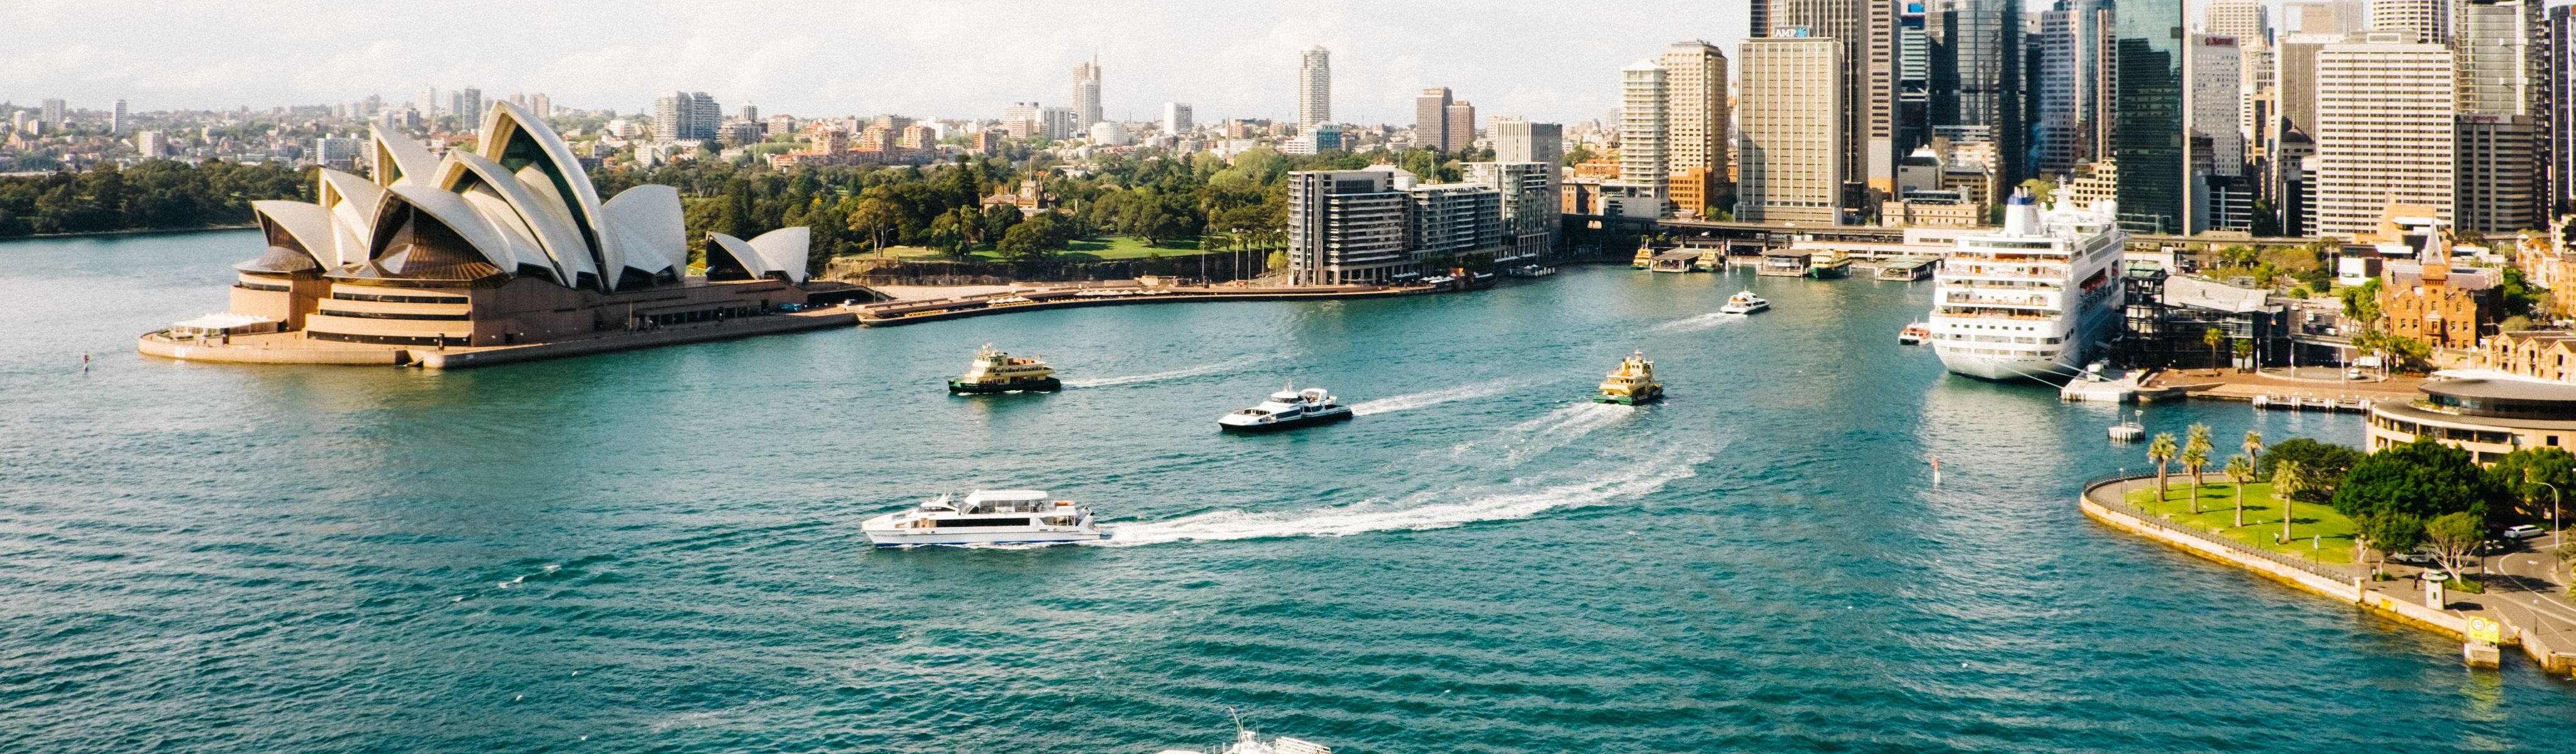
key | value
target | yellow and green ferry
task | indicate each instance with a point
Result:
(1632, 383)
(998, 372)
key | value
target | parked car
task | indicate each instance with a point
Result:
(2412, 558)
(2525, 531)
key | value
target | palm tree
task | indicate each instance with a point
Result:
(2214, 337)
(2241, 469)
(2195, 457)
(2253, 446)
(2288, 480)
(2160, 451)
(2244, 351)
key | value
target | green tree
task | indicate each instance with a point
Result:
(2195, 455)
(2361, 302)
(2326, 464)
(2253, 445)
(2240, 469)
(2391, 533)
(2214, 337)
(2244, 353)
(876, 215)
(2528, 474)
(2422, 478)
(2455, 538)
(2161, 451)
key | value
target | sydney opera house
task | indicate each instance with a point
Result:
(498, 247)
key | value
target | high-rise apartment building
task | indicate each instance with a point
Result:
(1449, 220)
(2430, 20)
(1057, 123)
(2560, 68)
(1697, 124)
(2385, 112)
(1431, 118)
(2500, 48)
(1543, 144)
(1789, 113)
(469, 109)
(2072, 90)
(2217, 76)
(685, 116)
(1347, 226)
(1086, 95)
(426, 101)
(2246, 20)
(116, 119)
(543, 106)
(1528, 203)
(1643, 128)
(2148, 117)
(55, 113)
(151, 144)
(1460, 128)
(1314, 88)
(1176, 119)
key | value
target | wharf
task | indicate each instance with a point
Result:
(2523, 605)
(2117, 387)
(2307, 388)
(916, 310)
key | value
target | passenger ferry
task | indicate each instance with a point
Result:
(2033, 299)
(1914, 334)
(1829, 265)
(1286, 409)
(1645, 256)
(986, 517)
(996, 372)
(1632, 383)
(1744, 302)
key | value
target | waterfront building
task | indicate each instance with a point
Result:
(1788, 116)
(685, 116)
(2385, 112)
(2169, 318)
(2072, 89)
(2149, 117)
(1526, 198)
(1348, 226)
(506, 243)
(1643, 128)
(1176, 119)
(2503, 96)
(1451, 220)
(2427, 21)
(1696, 126)
(2033, 299)
(2432, 302)
(1086, 95)
(1314, 87)
(2487, 417)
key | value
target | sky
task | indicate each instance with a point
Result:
(1550, 61)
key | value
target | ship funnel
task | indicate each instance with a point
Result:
(2021, 214)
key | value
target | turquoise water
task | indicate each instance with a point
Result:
(658, 551)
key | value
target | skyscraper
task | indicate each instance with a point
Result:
(2147, 121)
(1086, 94)
(426, 101)
(1697, 116)
(116, 122)
(1977, 74)
(2245, 20)
(2217, 73)
(2336, 17)
(2561, 72)
(2072, 91)
(469, 108)
(2503, 128)
(1176, 119)
(1460, 117)
(1788, 117)
(1431, 118)
(1867, 31)
(54, 112)
(1643, 128)
(686, 116)
(2430, 20)
(2385, 110)
(1314, 88)
(1518, 140)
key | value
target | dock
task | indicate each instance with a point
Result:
(1908, 268)
(2116, 387)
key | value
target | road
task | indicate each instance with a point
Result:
(2529, 587)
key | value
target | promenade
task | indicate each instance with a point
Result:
(2314, 383)
(2526, 592)
(915, 304)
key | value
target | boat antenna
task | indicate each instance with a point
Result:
(1238, 721)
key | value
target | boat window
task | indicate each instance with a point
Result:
(976, 522)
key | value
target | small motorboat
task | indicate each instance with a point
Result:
(1632, 383)
(1287, 409)
(986, 517)
(1744, 302)
(1914, 334)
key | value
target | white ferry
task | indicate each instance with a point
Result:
(1286, 409)
(2032, 300)
(986, 517)
(1744, 303)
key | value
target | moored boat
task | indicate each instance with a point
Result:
(986, 517)
(1914, 334)
(1286, 409)
(1632, 383)
(996, 372)
(1829, 265)
(1744, 302)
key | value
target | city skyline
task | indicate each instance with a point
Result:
(975, 60)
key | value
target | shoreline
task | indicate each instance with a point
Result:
(2450, 622)
(127, 232)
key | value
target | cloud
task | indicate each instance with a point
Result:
(959, 58)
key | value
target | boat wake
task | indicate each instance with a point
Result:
(1432, 398)
(1631, 481)
(1698, 322)
(1525, 440)
(1202, 369)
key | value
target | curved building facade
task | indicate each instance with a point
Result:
(2487, 417)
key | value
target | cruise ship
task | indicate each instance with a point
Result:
(2034, 299)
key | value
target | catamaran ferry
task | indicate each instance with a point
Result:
(2032, 300)
(986, 517)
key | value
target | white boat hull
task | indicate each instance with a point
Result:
(2001, 368)
(1012, 535)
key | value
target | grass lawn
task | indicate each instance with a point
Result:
(1080, 250)
(2262, 517)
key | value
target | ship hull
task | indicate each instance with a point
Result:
(1651, 396)
(1337, 414)
(936, 537)
(1047, 385)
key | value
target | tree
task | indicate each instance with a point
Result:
(2244, 353)
(2253, 445)
(2195, 455)
(2455, 538)
(2423, 478)
(876, 215)
(2160, 451)
(2214, 337)
(2391, 533)
(2241, 469)
(2361, 303)
(2527, 476)
(2288, 478)
(2325, 464)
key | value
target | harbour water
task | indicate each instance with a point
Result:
(658, 550)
